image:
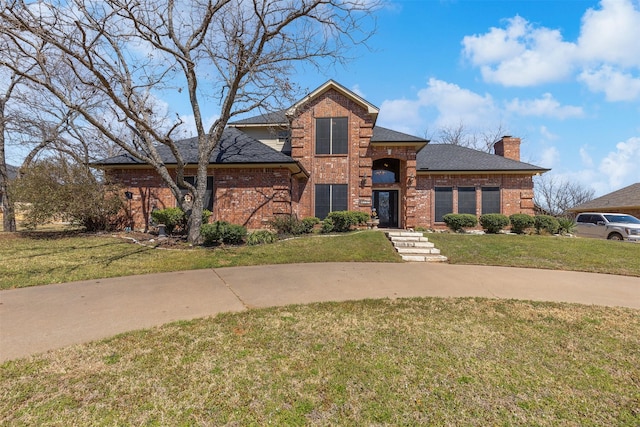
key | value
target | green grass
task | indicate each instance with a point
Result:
(385, 362)
(28, 259)
(533, 251)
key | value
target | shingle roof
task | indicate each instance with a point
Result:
(381, 134)
(12, 172)
(627, 197)
(276, 117)
(448, 157)
(235, 147)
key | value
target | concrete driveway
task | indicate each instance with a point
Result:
(42, 318)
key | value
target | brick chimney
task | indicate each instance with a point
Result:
(508, 147)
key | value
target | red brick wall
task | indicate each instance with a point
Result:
(248, 196)
(332, 169)
(516, 194)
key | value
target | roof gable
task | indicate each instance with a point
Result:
(454, 158)
(330, 84)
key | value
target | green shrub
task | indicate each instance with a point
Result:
(327, 226)
(222, 231)
(260, 237)
(287, 224)
(170, 217)
(308, 224)
(493, 223)
(546, 223)
(520, 222)
(206, 214)
(457, 222)
(567, 225)
(344, 220)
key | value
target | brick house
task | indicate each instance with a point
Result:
(326, 153)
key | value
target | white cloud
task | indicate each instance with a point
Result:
(605, 57)
(547, 134)
(621, 166)
(356, 89)
(451, 103)
(520, 54)
(546, 106)
(616, 85)
(587, 161)
(549, 157)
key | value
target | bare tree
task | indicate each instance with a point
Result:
(464, 136)
(234, 55)
(555, 196)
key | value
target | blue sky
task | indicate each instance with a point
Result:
(564, 75)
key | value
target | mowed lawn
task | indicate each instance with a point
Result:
(420, 361)
(423, 361)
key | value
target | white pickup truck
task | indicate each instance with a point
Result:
(612, 226)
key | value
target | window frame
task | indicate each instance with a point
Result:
(439, 211)
(332, 144)
(338, 199)
(489, 205)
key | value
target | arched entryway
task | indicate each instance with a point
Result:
(386, 181)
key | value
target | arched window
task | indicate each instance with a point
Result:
(386, 171)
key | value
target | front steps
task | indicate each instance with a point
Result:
(413, 246)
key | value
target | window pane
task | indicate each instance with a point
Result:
(323, 136)
(339, 197)
(323, 200)
(444, 202)
(340, 136)
(490, 200)
(467, 200)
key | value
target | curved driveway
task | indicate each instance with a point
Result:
(42, 318)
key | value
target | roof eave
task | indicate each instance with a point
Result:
(481, 171)
(419, 145)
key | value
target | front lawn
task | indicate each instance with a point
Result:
(28, 259)
(385, 362)
(555, 253)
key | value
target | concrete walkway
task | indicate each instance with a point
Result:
(42, 318)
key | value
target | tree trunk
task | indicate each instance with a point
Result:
(8, 211)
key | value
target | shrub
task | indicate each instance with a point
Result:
(493, 223)
(308, 223)
(206, 214)
(547, 224)
(344, 220)
(567, 225)
(458, 222)
(170, 217)
(288, 224)
(222, 231)
(260, 237)
(327, 226)
(520, 222)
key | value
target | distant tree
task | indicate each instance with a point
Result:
(236, 55)
(59, 189)
(555, 196)
(464, 136)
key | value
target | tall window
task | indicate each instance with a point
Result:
(329, 198)
(332, 135)
(467, 200)
(208, 195)
(490, 200)
(444, 202)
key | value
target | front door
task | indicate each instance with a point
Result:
(386, 204)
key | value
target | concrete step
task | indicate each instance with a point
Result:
(417, 251)
(408, 239)
(401, 233)
(413, 244)
(424, 258)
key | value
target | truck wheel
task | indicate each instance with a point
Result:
(614, 236)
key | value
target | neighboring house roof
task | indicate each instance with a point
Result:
(454, 158)
(12, 172)
(381, 134)
(625, 198)
(235, 147)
